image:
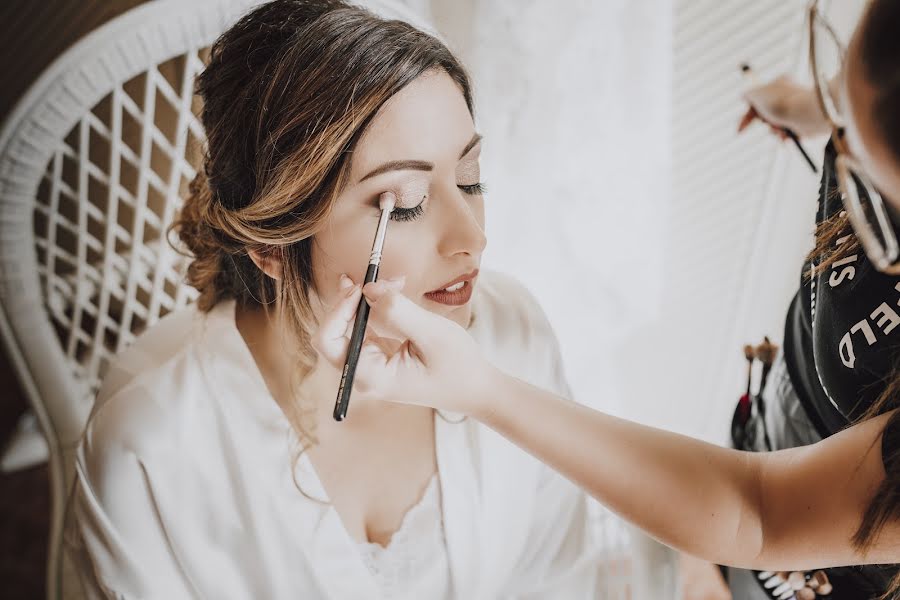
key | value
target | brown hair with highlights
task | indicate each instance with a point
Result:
(287, 94)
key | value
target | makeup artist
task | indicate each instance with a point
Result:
(840, 348)
(829, 495)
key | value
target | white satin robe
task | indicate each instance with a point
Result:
(184, 489)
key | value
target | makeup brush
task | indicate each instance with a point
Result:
(749, 356)
(386, 202)
(748, 75)
(744, 402)
(766, 353)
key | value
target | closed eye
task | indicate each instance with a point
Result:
(408, 214)
(411, 214)
(473, 190)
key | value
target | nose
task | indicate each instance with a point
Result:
(463, 224)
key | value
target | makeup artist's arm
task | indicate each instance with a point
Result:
(793, 509)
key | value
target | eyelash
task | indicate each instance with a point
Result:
(473, 190)
(411, 214)
(408, 214)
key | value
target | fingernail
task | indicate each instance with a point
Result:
(345, 281)
(375, 290)
(351, 290)
(397, 282)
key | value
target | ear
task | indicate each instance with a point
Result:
(268, 261)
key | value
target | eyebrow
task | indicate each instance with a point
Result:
(416, 165)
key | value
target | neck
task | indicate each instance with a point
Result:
(275, 352)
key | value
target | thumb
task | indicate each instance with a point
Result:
(402, 317)
(330, 340)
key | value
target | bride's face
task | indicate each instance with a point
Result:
(422, 146)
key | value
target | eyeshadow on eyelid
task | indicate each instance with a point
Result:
(469, 172)
(410, 195)
(410, 199)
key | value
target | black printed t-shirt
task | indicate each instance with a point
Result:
(842, 344)
(842, 334)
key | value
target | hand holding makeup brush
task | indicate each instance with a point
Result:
(410, 355)
(784, 104)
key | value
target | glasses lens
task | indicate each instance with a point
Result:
(869, 217)
(828, 56)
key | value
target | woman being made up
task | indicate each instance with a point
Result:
(211, 466)
(832, 497)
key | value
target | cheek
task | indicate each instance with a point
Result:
(407, 251)
(339, 249)
(345, 244)
(478, 210)
(346, 247)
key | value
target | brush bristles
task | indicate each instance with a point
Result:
(387, 201)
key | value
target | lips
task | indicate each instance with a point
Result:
(456, 292)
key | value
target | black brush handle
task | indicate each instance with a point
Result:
(356, 342)
(796, 140)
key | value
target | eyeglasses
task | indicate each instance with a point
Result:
(864, 205)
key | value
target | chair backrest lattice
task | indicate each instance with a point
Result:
(107, 268)
(94, 163)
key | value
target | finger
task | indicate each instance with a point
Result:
(344, 285)
(373, 375)
(778, 131)
(378, 373)
(398, 315)
(388, 345)
(331, 340)
(394, 283)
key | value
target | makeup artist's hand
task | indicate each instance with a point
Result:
(410, 356)
(783, 103)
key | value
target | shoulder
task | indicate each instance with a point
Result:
(503, 305)
(514, 333)
(150, 388)
(167, 340)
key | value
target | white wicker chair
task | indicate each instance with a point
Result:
(93, 162)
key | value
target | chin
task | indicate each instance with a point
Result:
(461, 315)
(458, 314)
